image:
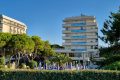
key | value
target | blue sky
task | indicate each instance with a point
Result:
(44, 17)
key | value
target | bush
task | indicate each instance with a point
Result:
(23, 66)
(113, 66)
(32, 64)
(2, 66)
(109, 60)
(2, 60)
(59, 75)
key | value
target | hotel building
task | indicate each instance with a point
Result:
(10, 25)
(80, 35)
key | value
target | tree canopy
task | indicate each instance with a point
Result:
(111, 29)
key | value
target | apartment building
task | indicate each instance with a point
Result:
(80, 37)
(10, 25)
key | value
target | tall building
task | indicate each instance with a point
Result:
(80, 35)
(10, 25)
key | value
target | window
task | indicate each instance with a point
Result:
(77, 31)
(81, 28)
(78, 37)
(96, 40)
(96, 47)
(96, 33)
(71, 54)
(92, 47)
(78, 24)
(66, 28)
(77, 43)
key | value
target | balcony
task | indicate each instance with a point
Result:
(78, 43)
(92, 30)
(92, 37)
(62, 50)
(77, 37)
(66, 25)
(91, 24)
(91, 43)
(78, 24)
(66, 44)
(78, 31)
(92, 50)
(65, 37)
(66, 31)
(80, 58)
(74, 24)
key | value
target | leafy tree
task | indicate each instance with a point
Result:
(38, 44)
(48, 51)
(21, 43)
(60, 59)
(56, 46)
(108, 60)
(4, 39)
(111, 29)
(113, 66)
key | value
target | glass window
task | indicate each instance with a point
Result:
(82, 43)
(71, 54)
(78, 30)
(92, 47)
(78, 36)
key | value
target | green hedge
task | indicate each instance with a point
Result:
(59, 75)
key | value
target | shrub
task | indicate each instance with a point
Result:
(109, 60)
(23, 66)
(2, 66)
(113, 66)
(32, 64)
(2, 60)
(59, 75)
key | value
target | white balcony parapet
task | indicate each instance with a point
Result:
(66, 31)
(91, 23)
(80, 58)
(65, 37)
(92, 30)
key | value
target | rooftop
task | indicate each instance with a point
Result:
(6, 17)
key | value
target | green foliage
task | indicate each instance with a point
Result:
(23, 66)
(48, 51)
(21, 43)
(56, 46)
(109, 51)
(4, 38)
(111, 29)
(60, 59)
(2, 60)
(59, 75)
(32, 64)
(38, 44)
(109, 60)
(113, 66)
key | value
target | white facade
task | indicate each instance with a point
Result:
(80, 35)
(10, 25)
